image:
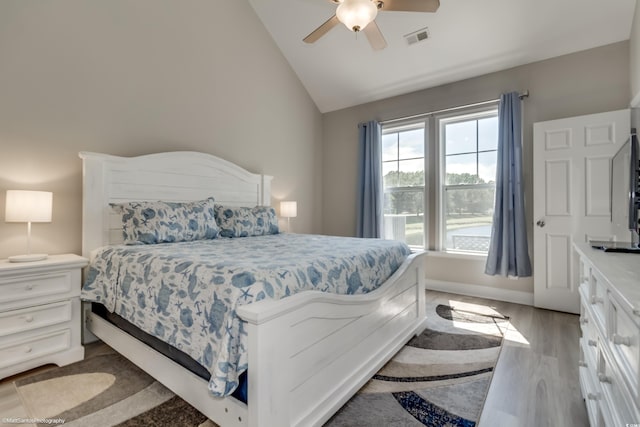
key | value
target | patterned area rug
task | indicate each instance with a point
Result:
(104, 390)
(439, 378)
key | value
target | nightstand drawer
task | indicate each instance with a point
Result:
(34, 347)
(26, 319)
(33, 288)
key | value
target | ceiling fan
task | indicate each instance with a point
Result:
(359, 15)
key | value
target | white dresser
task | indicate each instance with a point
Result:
(40, 313)
(610, 342)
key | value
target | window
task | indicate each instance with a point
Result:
(460, 155)
(403, 167)
(468, 147)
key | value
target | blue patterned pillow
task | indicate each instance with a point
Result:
(244, 222)
(165, 222)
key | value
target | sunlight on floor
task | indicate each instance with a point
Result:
(78, 389)
(510, 333)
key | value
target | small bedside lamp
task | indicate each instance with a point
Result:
(28, 206)
(288, 209)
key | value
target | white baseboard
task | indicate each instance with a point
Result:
(489, 292)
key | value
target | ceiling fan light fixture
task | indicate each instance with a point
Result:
(356, 14)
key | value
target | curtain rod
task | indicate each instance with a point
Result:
(523, 95)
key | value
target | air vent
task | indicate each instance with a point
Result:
(417, 36)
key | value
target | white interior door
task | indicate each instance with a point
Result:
(571, 193)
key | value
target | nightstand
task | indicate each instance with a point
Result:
(40, 313)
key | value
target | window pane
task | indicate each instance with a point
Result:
(404, 216)
(411, 173)
(411, 144)
(404, 175)
(390, 147)
(460, 137)
(488, 134)
(487, 166)
(390, 174)
(468, 216)
(461, 169)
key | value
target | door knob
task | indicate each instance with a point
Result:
(540, 223)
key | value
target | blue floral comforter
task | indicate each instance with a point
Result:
(187, 293)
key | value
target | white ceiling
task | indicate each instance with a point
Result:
(467, 38)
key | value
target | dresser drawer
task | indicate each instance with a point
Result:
(26, 319)
(34, 347)
(585, 317)
(592, 397)
(625, 345)
(584, 272)
(614, 391)
(33, 289)
(597, 297)
(590, 349)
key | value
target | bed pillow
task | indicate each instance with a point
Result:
(165, 222)
(245, 222)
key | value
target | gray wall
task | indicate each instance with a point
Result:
(136, 77)
(634, 55)
(586, 82)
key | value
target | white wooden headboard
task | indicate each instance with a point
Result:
(173, 176)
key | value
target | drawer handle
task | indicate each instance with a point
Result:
(592, 396)
(28, 318)
(592, 343)
(636, 312)
(620, 340)
(28, 349)
(604, 378)
(596, 300)
(584, 320)
(29, 287)
(582, 363)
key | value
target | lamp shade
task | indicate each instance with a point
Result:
(288, 209)
(356, 14)
(28, 206)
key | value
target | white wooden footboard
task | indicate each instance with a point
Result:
(309, 353)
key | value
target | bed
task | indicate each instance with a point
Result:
(346, 338)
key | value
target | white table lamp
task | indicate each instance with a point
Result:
(28, 206)
(288, 209)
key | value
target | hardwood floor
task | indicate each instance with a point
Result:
(535, 382)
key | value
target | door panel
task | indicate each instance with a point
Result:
(571, 192)
(598, 182)
(558, 191)
(558, 256)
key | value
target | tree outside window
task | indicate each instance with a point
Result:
(469, 146)
(403, 163)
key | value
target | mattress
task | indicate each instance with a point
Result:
(186, 294)
(178, 356)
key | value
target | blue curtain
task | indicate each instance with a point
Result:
(370, 195)
(508, 251)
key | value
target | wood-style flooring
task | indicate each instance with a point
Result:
(535, 383)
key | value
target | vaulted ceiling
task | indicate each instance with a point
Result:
(467, 38)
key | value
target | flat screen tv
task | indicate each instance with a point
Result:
(625, 192)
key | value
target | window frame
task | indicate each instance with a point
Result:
(440, 120)
(407, 125)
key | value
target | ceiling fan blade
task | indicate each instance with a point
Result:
(322, 30)
(410, 5)
(374, 35)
